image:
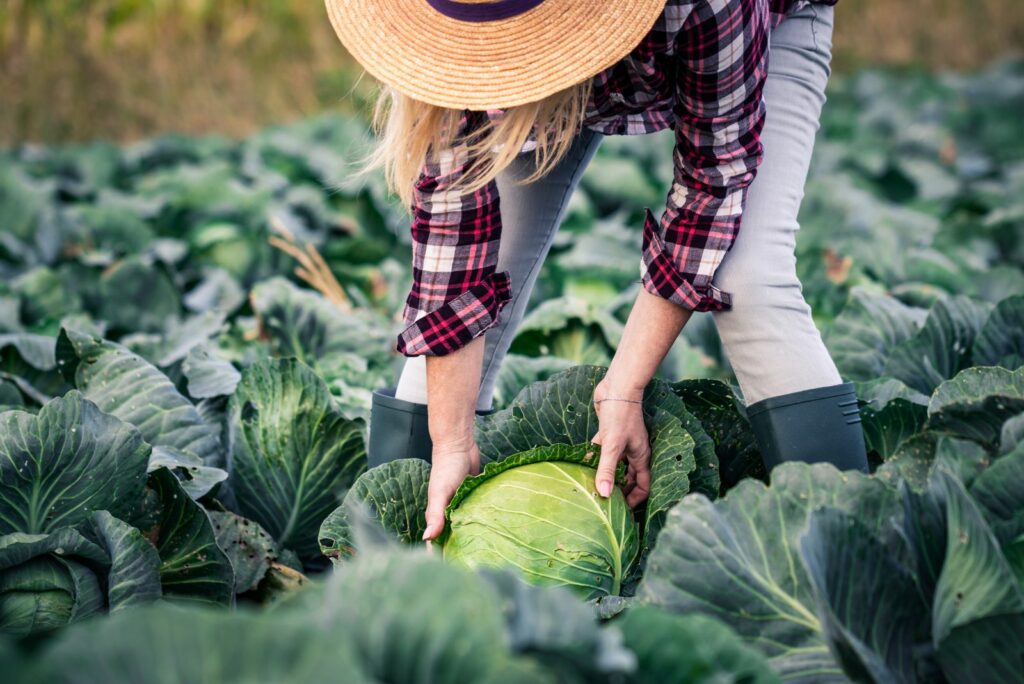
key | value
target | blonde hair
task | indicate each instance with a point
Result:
(409, 131)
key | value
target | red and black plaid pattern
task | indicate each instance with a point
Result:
(458, 321)
(455, 237)
(701, 71)
(719, 114)
(455, 295)
(661, 277)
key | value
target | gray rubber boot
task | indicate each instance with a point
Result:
(815, 426)
(398, 429)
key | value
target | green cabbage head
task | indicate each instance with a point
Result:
(51, 580)
(539, 513)
(47, 592)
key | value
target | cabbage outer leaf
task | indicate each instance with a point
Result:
(66, 462)
(293, 452)
(395, 495)
(976, 403)
(125, 385)
(738, 559)
(168, 644)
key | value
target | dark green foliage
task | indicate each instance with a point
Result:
(688, 648)
(192, 566)
(833, 576)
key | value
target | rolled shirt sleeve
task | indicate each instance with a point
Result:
(456, 293)
(722, 54)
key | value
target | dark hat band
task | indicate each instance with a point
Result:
(483, 11)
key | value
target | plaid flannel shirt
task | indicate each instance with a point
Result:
(700, 71)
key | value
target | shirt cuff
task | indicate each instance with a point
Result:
(452, 325)
(661, 277)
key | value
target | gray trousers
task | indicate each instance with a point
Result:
(769, 336)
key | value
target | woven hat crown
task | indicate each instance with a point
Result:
(483, 10)
(489, 54)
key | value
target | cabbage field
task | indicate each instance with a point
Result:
(191, 329)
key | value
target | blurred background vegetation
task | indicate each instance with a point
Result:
(74, 70)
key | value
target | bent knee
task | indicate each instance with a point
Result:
(765, 315)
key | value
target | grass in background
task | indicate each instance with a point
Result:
(122, 69)
(930, 34)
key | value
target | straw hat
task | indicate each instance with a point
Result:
(489, 54)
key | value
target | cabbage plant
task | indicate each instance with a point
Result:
(837, 576)
(64, 475)
(86, 528)
(535, 508)
(292, 451)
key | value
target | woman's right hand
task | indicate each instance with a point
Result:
(451, 463)
(453, 382)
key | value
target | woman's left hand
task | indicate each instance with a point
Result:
(622, 435)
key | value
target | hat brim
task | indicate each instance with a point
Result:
(413, 48)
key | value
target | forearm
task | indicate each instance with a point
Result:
(453, 383)
(652, 328)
